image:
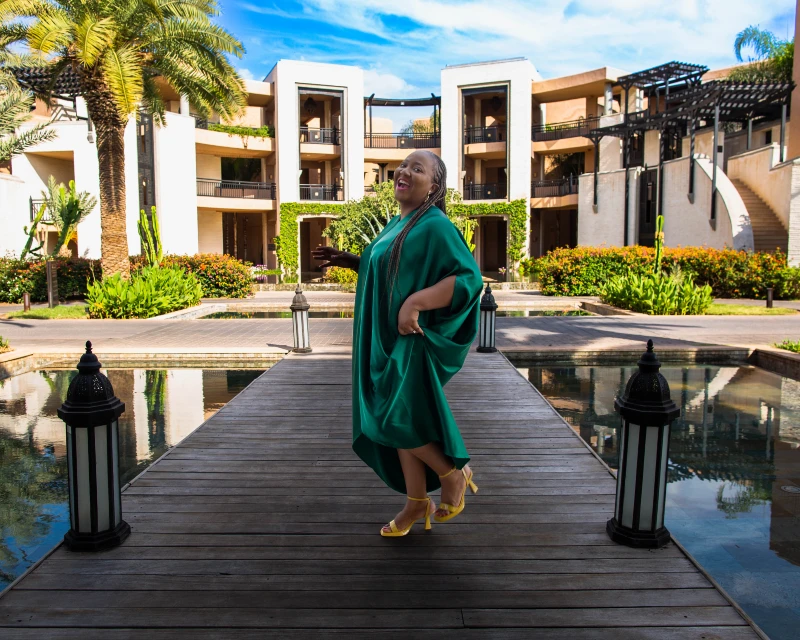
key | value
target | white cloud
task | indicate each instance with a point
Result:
(246, 74)
(388, 85)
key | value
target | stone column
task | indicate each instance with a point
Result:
(608, 99)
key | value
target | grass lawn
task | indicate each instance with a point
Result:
(789, 345)
(747, 310)
(61, 312)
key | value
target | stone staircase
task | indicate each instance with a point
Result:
(768, 231)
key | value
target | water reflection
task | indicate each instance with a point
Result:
(734, 472)
(161, 408)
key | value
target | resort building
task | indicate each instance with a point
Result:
(592, 157)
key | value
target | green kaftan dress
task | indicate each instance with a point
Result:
(398, 397)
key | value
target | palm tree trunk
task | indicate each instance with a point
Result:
(110, 128)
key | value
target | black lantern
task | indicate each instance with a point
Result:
(300, 307)
(647, 412)
(91, 412)
(310, 105)
(486, 328)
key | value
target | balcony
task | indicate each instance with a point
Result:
(483, 135)
(321, 192)
(486, 191)
(35, 205)
(561, 130)
(208, 187)
(212, 138)
(319, 136)
(402, 141)
(554, 188)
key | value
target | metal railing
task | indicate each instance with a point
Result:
(402, 140)
(486, 191)
(321, 192)
(200, 122)
(474, 135)
(554, 188)
(319, 136)
(235, 189)
(35, 204)
(561, 130)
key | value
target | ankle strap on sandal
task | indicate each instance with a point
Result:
(454, 469)
(425, 499)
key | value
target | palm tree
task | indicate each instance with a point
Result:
(770, 60)
(118, 49)
(16, 104)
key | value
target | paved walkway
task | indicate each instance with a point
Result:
(264, 524)
(561, 333)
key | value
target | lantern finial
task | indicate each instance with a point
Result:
(89, 364)
(650, 345)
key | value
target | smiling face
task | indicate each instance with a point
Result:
(413, 180)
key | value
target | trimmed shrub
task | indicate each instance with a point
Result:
(342, 276)
(151, 291)
(4, 346)
(220, 276)
(730, 274)
(19, 276)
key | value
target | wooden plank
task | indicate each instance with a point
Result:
(264, 519)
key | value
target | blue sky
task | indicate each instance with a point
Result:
(402, 46)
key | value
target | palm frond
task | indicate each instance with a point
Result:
(26, 8)
(93, 36)
(17, 143)
(123, 73)
(761, 41)
(51, 32)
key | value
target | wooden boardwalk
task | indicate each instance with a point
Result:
(264, 524)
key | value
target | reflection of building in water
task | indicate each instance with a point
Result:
(784, 531)
(738, 427)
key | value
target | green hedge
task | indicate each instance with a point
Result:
(731, 274)
(19, 276)
(286, 243)
(517, 219)
(220, 276)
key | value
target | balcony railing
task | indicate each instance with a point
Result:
(235, 189)
(486, 191)
(321, 192)
(319, 136)
(561, 130)
(554, 188)
(47, 218)
(402, 140)
(474, 135)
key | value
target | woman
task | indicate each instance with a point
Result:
(416, 315)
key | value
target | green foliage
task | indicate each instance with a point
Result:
(789, 345)
(657, 294)
(244, 132)
(61, 312)
(150, 237)
(515, 212)
(772, 59)
(342, 276)
(4, 346)
(18, 276)
(582, 271)
(429, 125)
(220, 276)
(286, 244)
(360, 221)
(529, 267)
(15, 110)
(68, 208)
(152, 291)
(728, 309)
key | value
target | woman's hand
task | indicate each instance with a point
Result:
(335, 258)
(408, 318)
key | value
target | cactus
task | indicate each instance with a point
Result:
(659, 243)
(150, 236)
(36, 253)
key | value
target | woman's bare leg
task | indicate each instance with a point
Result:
(453, 485)
(414, 474)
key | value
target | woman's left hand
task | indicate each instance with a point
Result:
(408, 319)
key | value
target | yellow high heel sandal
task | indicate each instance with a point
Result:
(452, 511)
(396, 533)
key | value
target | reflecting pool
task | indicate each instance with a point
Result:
(733, 498)
(162, 406)
(501, 313)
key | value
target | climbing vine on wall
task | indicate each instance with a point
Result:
(517, 218)
(286, 244)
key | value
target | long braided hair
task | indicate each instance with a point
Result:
(435, 199)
